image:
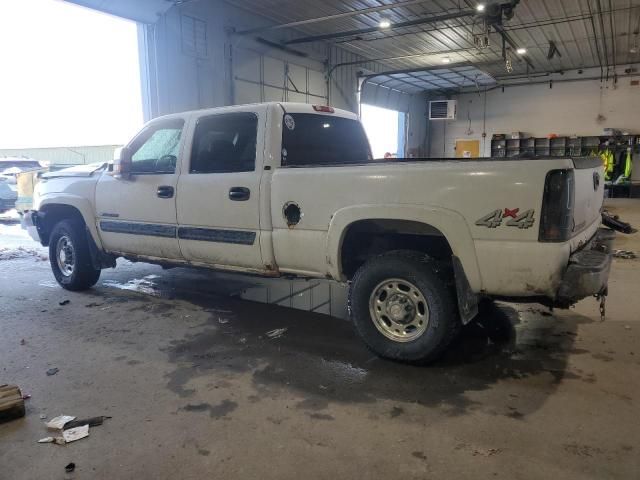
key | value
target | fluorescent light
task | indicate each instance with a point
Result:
(326, 125)
(480, 7)
(384, 24)
(446, 60)
(521, 51)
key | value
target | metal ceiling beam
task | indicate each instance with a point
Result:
(595, 40)
(337, 16)
(393, 26)
(604, 37)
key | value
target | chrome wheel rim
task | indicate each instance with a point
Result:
(65, 256)
(399, 310)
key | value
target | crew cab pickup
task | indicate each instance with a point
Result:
(283, 189)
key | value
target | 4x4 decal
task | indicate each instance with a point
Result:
(521, 220)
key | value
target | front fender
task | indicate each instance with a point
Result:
(81, 204)
(452, 225)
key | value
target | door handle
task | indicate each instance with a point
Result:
(165, 191)
(239, 194)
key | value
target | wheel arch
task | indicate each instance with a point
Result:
(54, 209)
(433, 222)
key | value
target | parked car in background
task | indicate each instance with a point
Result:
(8, 193)
(13, 165)
(10, 169)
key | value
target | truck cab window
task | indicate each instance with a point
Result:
(309, 139)
(225, 143)
(155, 149)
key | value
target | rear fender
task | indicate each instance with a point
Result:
(452, 225)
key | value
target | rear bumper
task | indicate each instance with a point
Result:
(29, 223)
(588, 271)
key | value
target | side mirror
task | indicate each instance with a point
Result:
(122, 163)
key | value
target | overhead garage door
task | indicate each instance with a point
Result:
(262, 78)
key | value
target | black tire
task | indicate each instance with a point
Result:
(83, 275)
(435, 285)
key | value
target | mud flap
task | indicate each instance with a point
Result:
(467, 300)
(99, 259)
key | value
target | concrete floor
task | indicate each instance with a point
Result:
(198, 390)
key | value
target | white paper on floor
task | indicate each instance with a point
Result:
(74, 434)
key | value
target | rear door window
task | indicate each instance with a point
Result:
(225, 143)
(310, 139)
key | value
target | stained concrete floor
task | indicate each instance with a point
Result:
(196, 389)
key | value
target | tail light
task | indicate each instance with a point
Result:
(556, 220)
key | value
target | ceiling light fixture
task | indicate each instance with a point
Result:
(480, 7)
(521, 51)
(384, 24)
(446, 60)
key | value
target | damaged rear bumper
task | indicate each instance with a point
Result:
(588, 271)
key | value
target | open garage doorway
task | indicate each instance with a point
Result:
(70, 79)
(385, 129)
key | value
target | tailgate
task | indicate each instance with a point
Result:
(589, 192)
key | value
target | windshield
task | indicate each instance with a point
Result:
(310, 139)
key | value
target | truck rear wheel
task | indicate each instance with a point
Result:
(402, 307)
(70, 257)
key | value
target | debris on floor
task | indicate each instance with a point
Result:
(625, 254)
(489, 452)
(59, 422)
(92, 422)
(64, 302)
(11, 403)
(276, 333)
(72, 429)
(76, 433)
(52, 371)
(70, 467)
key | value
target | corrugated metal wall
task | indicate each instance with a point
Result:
(231, 69)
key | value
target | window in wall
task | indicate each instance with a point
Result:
(156, 148)
(225, 143)
(194, 36)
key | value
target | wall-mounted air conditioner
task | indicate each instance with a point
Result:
(443, 109)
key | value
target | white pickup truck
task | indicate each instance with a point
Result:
(283, 189)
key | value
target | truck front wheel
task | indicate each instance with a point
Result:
(70, 257)
(403, 308)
